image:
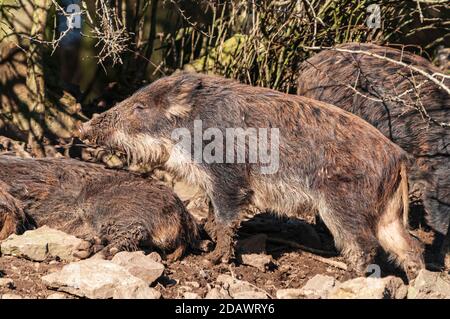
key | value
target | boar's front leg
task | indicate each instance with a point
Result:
(226, 201)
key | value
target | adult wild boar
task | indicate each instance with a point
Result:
(107, 208)
(328, 161)
(403, 104)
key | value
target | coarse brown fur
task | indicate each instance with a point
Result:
(330, 161)
(12, 217)
(390, 97)
(106, 207)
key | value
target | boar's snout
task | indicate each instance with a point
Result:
(99, 129)
(84, 131)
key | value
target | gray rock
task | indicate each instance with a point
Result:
(318, 286)
(191, 295)
(140, 265)
(239, 289)
(57, 295)
(7, 283)
(260, 261)
(99, 279)
(11, 296)
(290, 293)
(430, 285)
(217, 293)
(315, 288)
(41, 244)
(370, 288)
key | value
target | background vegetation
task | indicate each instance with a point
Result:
(128, 43)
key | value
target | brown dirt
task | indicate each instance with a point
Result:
(293, 268)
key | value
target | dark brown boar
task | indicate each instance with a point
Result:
(330, 161)
(107, 208)
(12, 217)
(404, 105)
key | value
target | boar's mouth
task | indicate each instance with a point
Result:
(135, 148)
(139, 149)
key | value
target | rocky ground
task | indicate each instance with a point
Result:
(276, 259)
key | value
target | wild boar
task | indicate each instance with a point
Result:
(322, 160)
(108, 208)
(401, 103)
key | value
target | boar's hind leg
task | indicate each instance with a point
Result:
(394, 237)
(12, 217)
(352, 238)
(405, 249)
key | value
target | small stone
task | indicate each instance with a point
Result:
(139, 265)
(318, 286)
(184, 288)
(7, 283)
(99, 279)
(57, 295)
(239, 289)
(289, 293)
(193, 284)
(112, 161)
(370, 288)
(217, 293)
(430, 285)
(11, 296)
(259, 261)
(41, 244)
(191, 295)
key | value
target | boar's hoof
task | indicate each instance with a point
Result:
(204, 246)
(89, 247)
(412, 270)
(109, 251)
(211, 229)
(176, 254)
(224, 251)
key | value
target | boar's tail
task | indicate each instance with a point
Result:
(405, 194)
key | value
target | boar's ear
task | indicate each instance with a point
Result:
(180, 103)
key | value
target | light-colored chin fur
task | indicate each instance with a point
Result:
(141, 148)
(152, 152)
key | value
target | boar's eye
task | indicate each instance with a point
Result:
(139, 107)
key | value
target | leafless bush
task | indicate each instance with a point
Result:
(111, 35)
(263, 42)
